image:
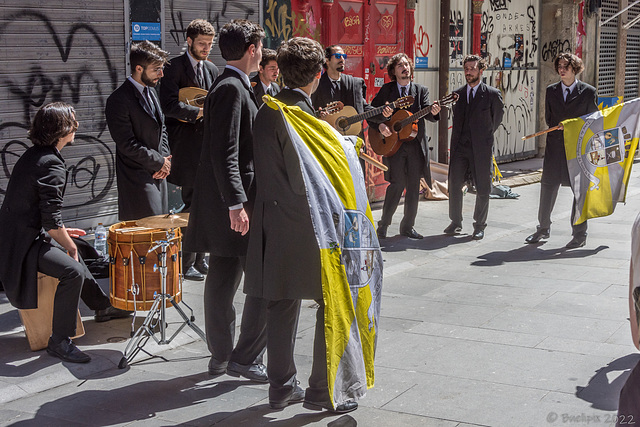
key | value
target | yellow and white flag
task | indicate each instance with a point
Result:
(349, 249)
(600, 149)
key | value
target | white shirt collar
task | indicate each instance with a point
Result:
(571, 88)
(242, 74)
(138, 86)
(264, 86)
(194, 62)
(400, 88)
(302, 92)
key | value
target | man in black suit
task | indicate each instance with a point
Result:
(30, 217)
(476, 116)
(222, 203)
(277, 262)
(336, 86)
(411, 161)
(265, 80)
(136, 124)
(566, 99)
(185, 126)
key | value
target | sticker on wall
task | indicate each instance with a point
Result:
(146, 31)
(422, 62)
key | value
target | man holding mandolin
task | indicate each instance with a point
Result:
(409, 163)
(184, 125)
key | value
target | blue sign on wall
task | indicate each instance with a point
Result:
(145, 31)
(422, 62)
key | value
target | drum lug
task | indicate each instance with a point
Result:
(174, 257)
(125, 261)
(112, 260)
(142, 259)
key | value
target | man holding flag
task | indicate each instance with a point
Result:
(312, 238)
(569, 98)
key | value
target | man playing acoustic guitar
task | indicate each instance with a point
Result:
(410, 162)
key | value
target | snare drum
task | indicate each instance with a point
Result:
(130, 257)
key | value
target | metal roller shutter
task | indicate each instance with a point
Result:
(69, 51)
(178, 14)
(607, 49)
(632, 68)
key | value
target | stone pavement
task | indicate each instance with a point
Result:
(492, 333)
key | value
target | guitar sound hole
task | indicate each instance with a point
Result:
(342, 124)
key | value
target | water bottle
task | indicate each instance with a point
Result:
(100, 242)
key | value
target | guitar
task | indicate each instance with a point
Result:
(349, 116)
(400, 129)
(194, 96)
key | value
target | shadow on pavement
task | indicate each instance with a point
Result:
(603, 394)
(183, 398)
(400, 243)
(534, 253)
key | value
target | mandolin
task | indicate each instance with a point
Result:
(403, 128)
(349, 122)
(193, 96)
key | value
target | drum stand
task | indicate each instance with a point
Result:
(157, 313)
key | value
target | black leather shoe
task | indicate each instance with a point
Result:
(256, 372)
(453, 229)
(412, 234)
(202, 266)
(67, 351)
(217, 368)
(477, 235)
(340, 409)
(382, 232)
(296, 396)
(110, 313)
(541, 233)
(577, 242)
(193, 274)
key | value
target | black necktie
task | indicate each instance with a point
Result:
(199, 78)
(566, 98)
(471, 95)
(335, 90)
(269, 90)
(403, 91)
(147, 97)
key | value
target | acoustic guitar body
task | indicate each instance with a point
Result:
(194, 96)
(339, 121)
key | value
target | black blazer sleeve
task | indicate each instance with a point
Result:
(50, 183)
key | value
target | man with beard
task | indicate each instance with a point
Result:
(136, 124)
(476, 116)
(185, 126)
(265, 80)
(410, 162)
(222, 203)
(566, 99)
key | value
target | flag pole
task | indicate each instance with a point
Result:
(542, 132)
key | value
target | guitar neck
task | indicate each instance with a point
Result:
(368, 114)
(415, 117)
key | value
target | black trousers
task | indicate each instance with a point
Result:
(461, 162)
(75, 282)
(405, 170)
(548, 196)
(282, 324)
(189, 258)
(220, 288)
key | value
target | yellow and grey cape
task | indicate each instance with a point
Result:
(349, 249)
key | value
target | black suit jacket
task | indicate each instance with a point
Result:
(353, 92)
(32, 204)
(258, 90)
(484, 115)
(225, 171)
(389, 93)
(275, 260)
(580, 102)
(185, 139)
(141, 145)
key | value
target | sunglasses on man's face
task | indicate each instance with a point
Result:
(340, 55)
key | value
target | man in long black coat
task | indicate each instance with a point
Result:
(284, 258)
(476, 116)
(30, 217)
(566, 99)
(410, 162)
(222, 203)
(185, 126)
(136, 124)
